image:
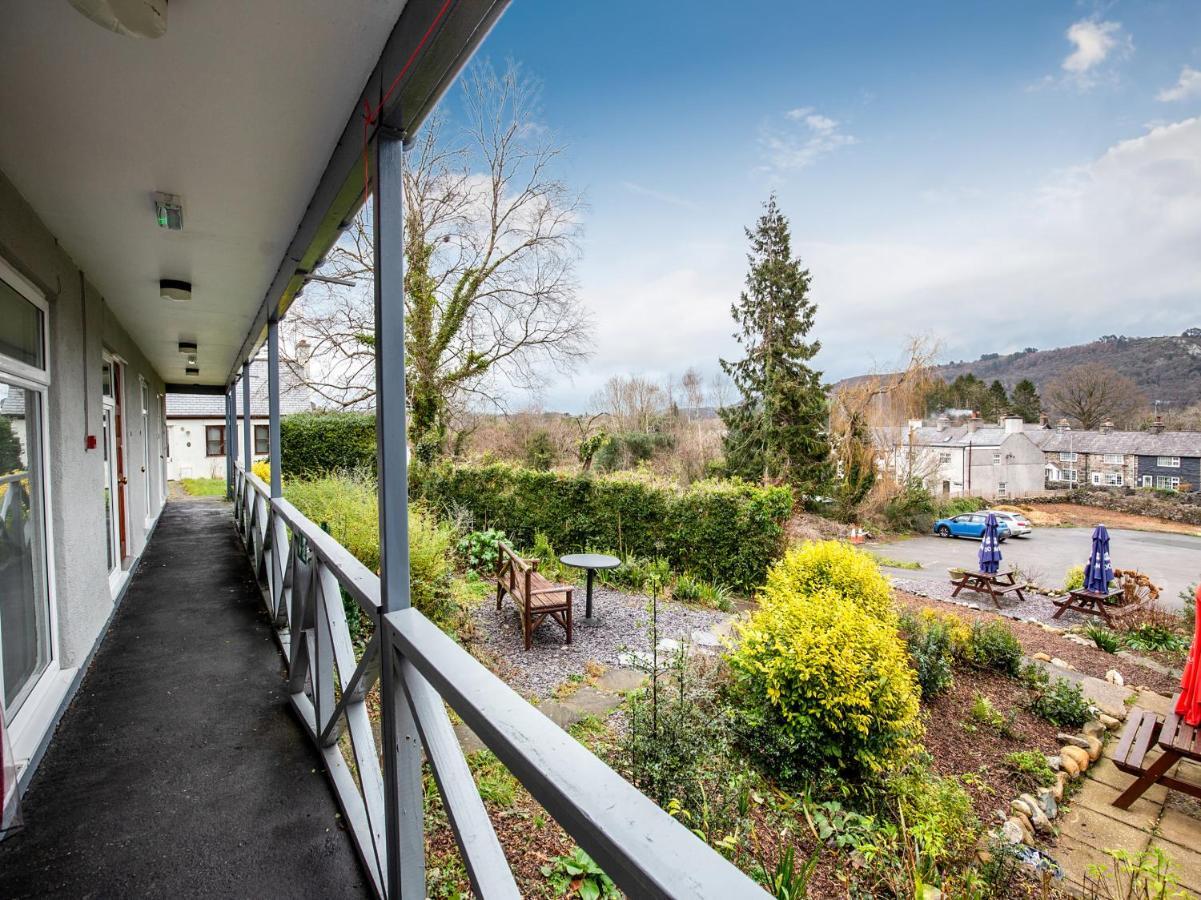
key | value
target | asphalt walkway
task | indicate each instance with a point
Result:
(179, 770)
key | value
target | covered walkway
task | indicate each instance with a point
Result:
(179, 770)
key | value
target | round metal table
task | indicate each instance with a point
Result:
(590, 562)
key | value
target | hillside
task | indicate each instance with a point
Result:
(1165, 368)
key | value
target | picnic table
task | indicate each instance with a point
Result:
(1175, 738)
(1092, 603)
(995, 584)
(590, 562)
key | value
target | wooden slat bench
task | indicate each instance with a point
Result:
(1177, 740)
(536, 597)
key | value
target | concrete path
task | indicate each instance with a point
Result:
(179, 769)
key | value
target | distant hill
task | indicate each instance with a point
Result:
(1166, 368)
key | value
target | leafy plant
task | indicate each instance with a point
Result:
(937, 813)
(697, 590)
(982, 712)
(786, 881)
(993, 645)
(931, 650)
(1059, 701)
(1073, 580)
(911, 509)
(1143, 876)
(481, 550)
(1031, 767)
(1154, 637)
(1104, 638)
(840, 828)
(837, 568)
(576, 875)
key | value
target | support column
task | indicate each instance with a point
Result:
(247, 429)
(405, 875)
(231, 445)
(277, 489)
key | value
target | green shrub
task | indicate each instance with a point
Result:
(938, 813)
(318, 443)
(1073, 579)
(836, 567)
(910, 510)
(1104, 638)
(624, 450)
(821, 685)
(1151, 636)
(931, 650)
(1059, 701)
(347, 508)
(993, 645)
(636, 574)
(725, 532)
(957, 506)
(1031, 767)
(697, 590)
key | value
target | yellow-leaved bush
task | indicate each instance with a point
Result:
(822, 682)
(834, 566)
(262, 470)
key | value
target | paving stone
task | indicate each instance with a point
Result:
(468, 739)
(620, 681)
(1076, 857)
(1104, 771)
(1110, 698)
(1180, 829)
(1093, 811)
(589, 701)
(1157, 703)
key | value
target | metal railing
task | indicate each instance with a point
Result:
(305, 573)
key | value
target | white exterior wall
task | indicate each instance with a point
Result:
(189, 458)
(79, 328)
(956, 471)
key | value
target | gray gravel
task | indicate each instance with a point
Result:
(1035, 608)
(625, 620)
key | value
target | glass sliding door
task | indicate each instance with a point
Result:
(26, 617)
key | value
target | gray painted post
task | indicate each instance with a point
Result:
(247, 429)
(277, 489)
(405, 876)
(231, 445)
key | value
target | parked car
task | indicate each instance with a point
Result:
(969, 525)
(1019, 525)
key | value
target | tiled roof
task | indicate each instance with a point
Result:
(953, 436)
(1130, 443)
(294, 397)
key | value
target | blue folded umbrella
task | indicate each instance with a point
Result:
(990, 546)
(1099, 570)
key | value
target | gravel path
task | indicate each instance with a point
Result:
(625, 620)
(1035, 608)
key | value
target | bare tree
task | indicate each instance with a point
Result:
(1093, 393)
(491, 243)
(633, 403)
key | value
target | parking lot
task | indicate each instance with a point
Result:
(1173, 561)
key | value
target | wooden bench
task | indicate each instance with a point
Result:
(1176, 739)
(1092, 603)
(995, 584)
(536, 597)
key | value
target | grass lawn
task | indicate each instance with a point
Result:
(204, 487)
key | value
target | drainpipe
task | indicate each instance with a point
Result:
(968, 478)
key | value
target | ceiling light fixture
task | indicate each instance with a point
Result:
(187, 347)
(191, 370)
(168, 208)
(175, 290)
(134, 18)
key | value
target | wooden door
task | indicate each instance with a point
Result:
(119, 437)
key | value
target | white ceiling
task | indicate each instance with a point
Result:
(237, 108)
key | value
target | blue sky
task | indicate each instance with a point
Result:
(992, 175)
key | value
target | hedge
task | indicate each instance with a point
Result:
(723, 531)
(317, 443)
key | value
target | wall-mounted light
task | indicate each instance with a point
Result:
(175, 290)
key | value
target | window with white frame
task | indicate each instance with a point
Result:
(262, 440)
(996, 457)
(1168, 462)
(26, 610)
(1096, 478)
(1113, 459)
(1114, 479)
(1065, 456)
(1070, 475)
(944, 457)
(1167, 482)
(1002, 488)
(1147, 481)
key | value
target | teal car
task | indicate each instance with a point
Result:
(969, 525)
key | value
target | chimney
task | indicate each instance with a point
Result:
(943, 423)
(1157, 425)
(304, 353)
(1013, 424)
(1043, 421)
(973, 423)
(1063, 425)
(915, 424)
(1106, 427)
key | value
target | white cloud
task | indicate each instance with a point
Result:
(1188, 85)
(806, 138)
(1093, 44)
(662, 196)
